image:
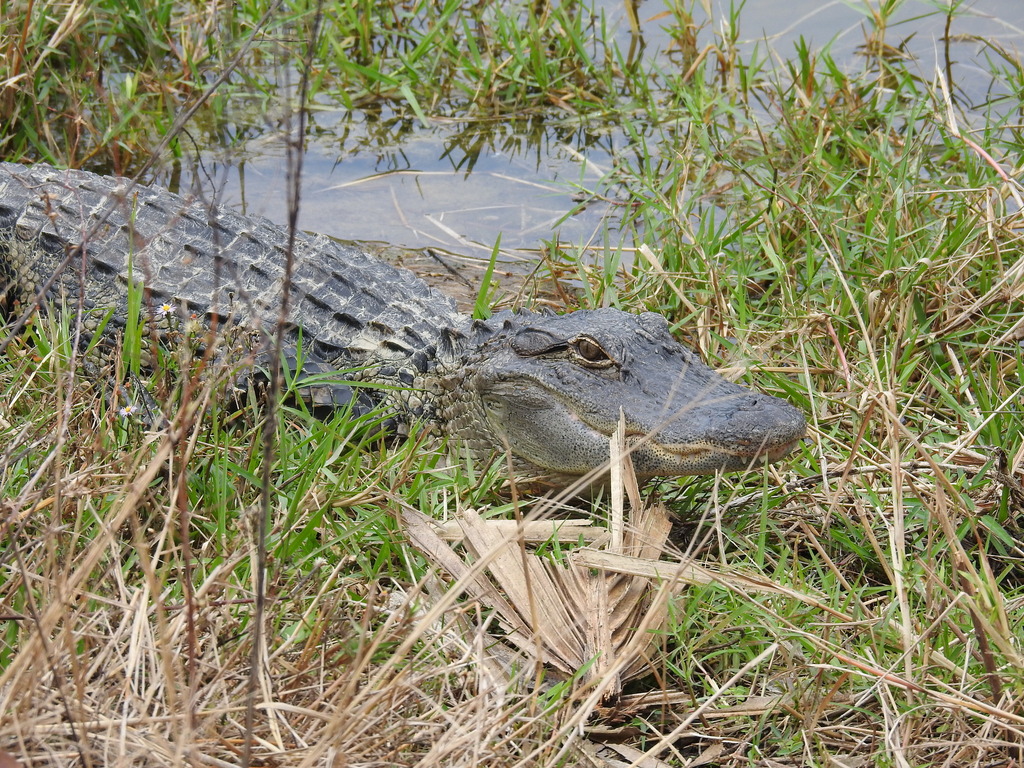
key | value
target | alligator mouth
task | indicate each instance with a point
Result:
(651, 457)
(765, 453)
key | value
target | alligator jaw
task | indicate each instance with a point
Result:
(675, 448)
(701, 458)
(733, 431)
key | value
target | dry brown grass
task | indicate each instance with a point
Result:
(110, 662)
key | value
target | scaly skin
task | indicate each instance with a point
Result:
(549, 389)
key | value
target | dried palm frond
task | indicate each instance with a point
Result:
(574, 618)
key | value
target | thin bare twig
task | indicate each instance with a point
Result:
(294, 147)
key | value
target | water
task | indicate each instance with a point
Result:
(460, 186)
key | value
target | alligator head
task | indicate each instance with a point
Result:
(550, 390)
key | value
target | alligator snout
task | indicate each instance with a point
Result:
(732, 432)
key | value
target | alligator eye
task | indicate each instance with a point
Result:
(590, 354)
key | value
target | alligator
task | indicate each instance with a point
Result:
(546, 390)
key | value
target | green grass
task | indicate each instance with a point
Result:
(97, 84)
(824, 230)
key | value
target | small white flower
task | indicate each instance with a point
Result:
(165, 309)
(128, 411)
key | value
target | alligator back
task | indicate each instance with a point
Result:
(207, 263)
